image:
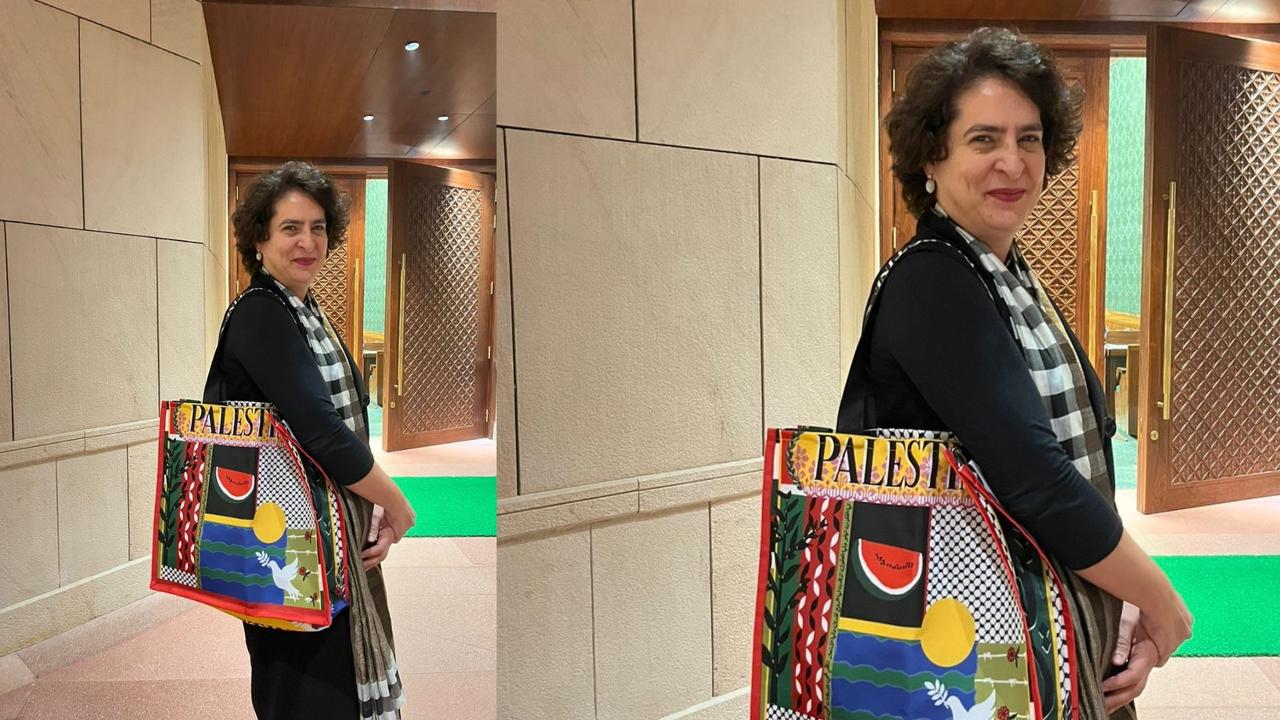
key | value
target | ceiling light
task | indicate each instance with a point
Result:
(368, 117)
(442, 118)
(411, 45)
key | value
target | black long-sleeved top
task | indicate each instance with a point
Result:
(264, 357)
(942, 358)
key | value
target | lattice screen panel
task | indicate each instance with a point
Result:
(1050, 240)
(442, 309)
(1226, 359)
(331, 290)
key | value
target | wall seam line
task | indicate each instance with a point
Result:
(511, 299)
(635, 68)
(711, 576)
(119, 32)
(8, 328)
(595, 659)
(84, 210)
(724, 151)
(159, 389)
(101, 232)
(760, 278)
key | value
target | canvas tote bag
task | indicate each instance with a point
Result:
(892, 584)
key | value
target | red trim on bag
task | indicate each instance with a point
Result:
(342, 522)
(264, 611)
(969, 478)
(283, 432)
(166, 412)
(1032, 670)
(319, 617)
(772, 438)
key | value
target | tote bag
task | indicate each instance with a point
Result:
(892, 584)
(245, 520)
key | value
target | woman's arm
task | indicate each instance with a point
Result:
(378, 488)
(264, 338)
(1129, 574)
(939, 324)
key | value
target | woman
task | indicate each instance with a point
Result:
(278, 347)
(965, 339)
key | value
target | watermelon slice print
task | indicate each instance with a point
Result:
(888, 571)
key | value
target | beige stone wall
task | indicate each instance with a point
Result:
(686, 232)
(112, 182)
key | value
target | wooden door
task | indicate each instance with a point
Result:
(439, 305)
(1066, 231)
(1210, 387)
(340, 285)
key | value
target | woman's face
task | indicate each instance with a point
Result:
(297, 243)
(994, 170)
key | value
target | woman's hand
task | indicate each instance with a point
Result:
(380, 539)
(378, 488)
(399, 519)
(1121, 689)
(1168, 624)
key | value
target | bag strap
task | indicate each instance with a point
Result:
(213, 381)
(857, 412)
(967, 471)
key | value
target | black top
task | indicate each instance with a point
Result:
(943, 358)
(264, 356)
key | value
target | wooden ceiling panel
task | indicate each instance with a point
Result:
(1150, 9)
(1248, 11)
(410, 137)
(479, 131)
(456, 63)
(979, 9)
(296, 80)
(1195, 11)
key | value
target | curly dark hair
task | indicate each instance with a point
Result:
(252, 218)
(917, 125)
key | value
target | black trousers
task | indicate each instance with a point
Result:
(299, 675)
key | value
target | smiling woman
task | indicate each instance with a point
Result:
(982, 125)
(277, 346)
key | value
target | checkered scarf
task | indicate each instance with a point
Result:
(1058, 373)
(378, 682)
(332, 361)
(1054, 365)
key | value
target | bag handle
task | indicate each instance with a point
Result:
(975, 485)
(857, 412)
(218, 385)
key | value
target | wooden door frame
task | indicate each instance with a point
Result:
(488, 272)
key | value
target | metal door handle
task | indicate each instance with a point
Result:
(1171, 229)
(400, 335)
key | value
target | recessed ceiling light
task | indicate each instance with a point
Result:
(442, 118)
(368, 117)
(411, 45)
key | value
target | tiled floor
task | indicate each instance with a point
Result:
(443, 594)
(472, 457)
(1210, 688)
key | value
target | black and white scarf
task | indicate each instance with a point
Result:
(378, 681)
(1050, 356)
(1058, 372)
(330, 358)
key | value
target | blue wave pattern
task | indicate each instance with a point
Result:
(851, 700)
(248, 566)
